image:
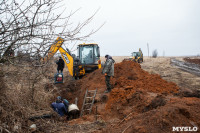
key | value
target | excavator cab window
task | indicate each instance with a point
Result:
(97, 54)
(98, 51)
(134, 54)
(88, 54)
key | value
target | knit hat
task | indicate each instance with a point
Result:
(58, 99)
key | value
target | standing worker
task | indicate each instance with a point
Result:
(60, 64)
(108, 71)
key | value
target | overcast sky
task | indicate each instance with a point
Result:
(170, 26)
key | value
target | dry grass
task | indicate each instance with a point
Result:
(162, 67)
(24, 94)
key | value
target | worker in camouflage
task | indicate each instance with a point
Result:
(108, 71)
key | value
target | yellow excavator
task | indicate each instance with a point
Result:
(136, 56)
(87, 60)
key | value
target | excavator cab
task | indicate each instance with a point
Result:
(89, 56)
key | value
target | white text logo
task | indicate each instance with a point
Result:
(185, 129)
(66, 59)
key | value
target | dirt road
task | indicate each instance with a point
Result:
(168, 72)
(186, 66)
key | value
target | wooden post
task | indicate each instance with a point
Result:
(76, 100)
(96, 113)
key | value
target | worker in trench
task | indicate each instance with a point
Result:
(108, 71)
(60, 106)
(60, 64)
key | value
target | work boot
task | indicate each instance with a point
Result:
(107, 91)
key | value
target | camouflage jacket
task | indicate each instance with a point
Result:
(109, 67)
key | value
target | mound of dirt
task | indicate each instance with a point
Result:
(189, 93)
(128, 78)
(130, 84)
(178, 112)
(139, 101)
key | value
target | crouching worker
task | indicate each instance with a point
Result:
(73, 112)
(60, 107)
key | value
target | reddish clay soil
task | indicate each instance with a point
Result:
(139, 102)
(178, 112)
(195, 61)
(128, 77)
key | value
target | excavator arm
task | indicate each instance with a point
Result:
(66, 55)
(68, 59)
(53, 49)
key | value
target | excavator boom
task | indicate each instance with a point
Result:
(68, 59)
(53, 49)
(66, 55)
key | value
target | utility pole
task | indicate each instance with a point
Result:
(148, 49)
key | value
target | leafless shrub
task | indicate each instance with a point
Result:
(22, 94)
(155, 53)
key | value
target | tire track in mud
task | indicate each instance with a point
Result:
(185, 66)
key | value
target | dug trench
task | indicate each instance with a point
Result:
(139, 102)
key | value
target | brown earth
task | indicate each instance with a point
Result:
(177, 112)
(145, 98)
(195, 61)
(140, 101)
(128, 77)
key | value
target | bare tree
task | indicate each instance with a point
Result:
(155, 53)
(32, 26)
(27, 29)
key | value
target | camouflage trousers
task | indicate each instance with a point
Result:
(107, 79)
